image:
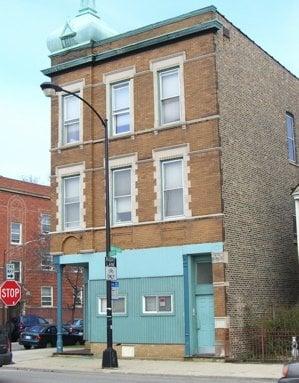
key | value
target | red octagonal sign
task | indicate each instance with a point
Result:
(10, 292)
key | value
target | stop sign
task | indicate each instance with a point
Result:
(10, 293)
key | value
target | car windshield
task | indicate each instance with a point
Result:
(77, 322)
(26, 321)
(36, 329)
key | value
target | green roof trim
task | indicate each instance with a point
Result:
(146, 28)
(141, 45)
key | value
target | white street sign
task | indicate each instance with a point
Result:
(111, 273)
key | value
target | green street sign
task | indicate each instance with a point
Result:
(114, 250)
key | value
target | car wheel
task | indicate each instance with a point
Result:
(27, 346)
(82, 342)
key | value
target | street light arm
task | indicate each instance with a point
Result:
(103, 121)
(51, 89)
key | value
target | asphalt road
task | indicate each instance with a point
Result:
(23, 376)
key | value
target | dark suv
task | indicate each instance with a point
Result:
(5, 354)
(19, 324)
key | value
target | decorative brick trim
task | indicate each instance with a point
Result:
(220, 257)
(164, 63)
(71, 87)
(161, 154)
(65, 171)
(128, 161)
(221, 322)
(220, 284)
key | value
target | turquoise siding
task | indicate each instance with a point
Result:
(136, 327)
(138, 263)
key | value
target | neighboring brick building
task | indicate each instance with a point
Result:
(202, 158)
(24, 242)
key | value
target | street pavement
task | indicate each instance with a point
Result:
(43, 360)
(18, 376)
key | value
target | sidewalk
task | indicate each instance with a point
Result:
(43, 359)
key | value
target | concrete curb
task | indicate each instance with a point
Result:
(117, 371)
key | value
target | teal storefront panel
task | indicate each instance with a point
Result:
(138, 263)
(136, 327)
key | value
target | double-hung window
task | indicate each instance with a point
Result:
(17, 270)
(71, 202)
(45, 223)
(169, 96)
(47, 296)
(70, 119)
(172, 188)
(155, 304)
(291, 137)
(120, 108)
(122, 195)
(16, 233)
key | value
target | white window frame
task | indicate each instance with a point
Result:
(291, 139)
(20, 270)
(114, 313)
(47, 296)
(160, 79)
(165, 154)
(115, 78)
(157, 297)
(43, 215)
(163, 162)
(122, 163)
(114, 113)
(20, 233)
(64, 203)
(113, 172)
(75, 88)
(158, 66)
(61, 173)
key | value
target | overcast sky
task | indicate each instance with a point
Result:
(25, 25)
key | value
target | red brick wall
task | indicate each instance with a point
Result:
(24, 203)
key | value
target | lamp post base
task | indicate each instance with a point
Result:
(109, 358)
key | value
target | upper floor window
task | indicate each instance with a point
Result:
(71, 119)
(16, 233)
(71, 202)
(172, 188)
(122, 195)
(120, 108)
(47, 296)
(291, 137)
(45, 223)
(169, 96)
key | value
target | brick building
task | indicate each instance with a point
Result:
(24, 242)
(202, 159)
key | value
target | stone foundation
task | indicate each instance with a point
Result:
(143, 351)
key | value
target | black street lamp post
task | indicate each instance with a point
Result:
(109, 359)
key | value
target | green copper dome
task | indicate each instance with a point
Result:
(82, 29)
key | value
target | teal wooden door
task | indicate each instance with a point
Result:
(204, 306)
(205, 323)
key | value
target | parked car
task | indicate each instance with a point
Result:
(46, 335)
(76, 327)
(20, 322)
(5, 353)
(290, 373)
